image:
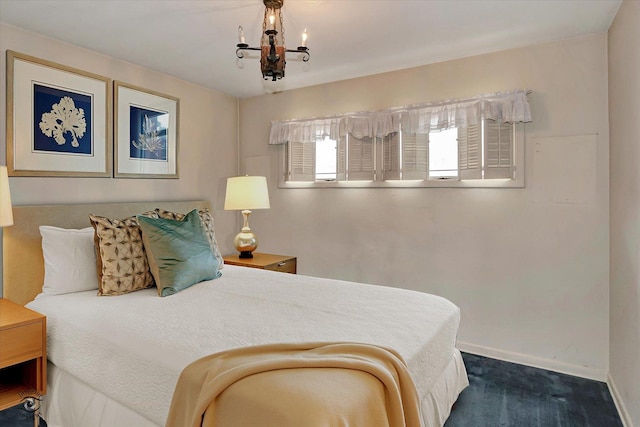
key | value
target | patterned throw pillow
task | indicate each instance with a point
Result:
(207, 222)
(122, 261)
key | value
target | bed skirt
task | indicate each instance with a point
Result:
(70, 402)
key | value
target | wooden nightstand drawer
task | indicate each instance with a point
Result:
(288, 266)
(20, 344)
(280, 263)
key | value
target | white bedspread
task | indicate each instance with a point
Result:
(133, 347)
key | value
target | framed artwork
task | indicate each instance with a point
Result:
(58, 119)
(146, 130)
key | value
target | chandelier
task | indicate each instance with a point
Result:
(272, 47)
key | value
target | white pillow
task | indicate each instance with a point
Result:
(69, 260)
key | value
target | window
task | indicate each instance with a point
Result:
(326, 156)
(471, 142)
(443, 154)
(482, 155)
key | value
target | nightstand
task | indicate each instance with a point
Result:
(281, 263)
(23, 353)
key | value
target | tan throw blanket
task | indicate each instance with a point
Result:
(297, 385)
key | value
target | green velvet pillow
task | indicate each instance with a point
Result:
(179, 253)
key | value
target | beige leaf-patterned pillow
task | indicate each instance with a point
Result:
(122, 261)
(207, 222)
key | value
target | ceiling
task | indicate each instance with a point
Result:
(195, 40)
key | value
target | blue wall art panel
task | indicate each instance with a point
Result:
(61, 121)
(148, 134)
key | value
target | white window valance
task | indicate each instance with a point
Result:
(503, 107)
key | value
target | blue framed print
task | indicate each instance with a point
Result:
(58, 119)
(62, 121)
(146, 130)
(148, 133)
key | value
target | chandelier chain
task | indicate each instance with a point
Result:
(282, 29)
(263, 39)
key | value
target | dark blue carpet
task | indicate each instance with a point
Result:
(508, 394)
(499, 394)
(18, 417)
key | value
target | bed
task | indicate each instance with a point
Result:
(115, 360)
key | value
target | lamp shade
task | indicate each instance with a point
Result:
(6, 215)
(246, 192)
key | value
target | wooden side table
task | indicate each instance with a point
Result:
(23, 353)
(281, 263)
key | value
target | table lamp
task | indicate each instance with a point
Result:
(245, 193)
(6, 214)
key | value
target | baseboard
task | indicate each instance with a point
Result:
(617, 399)
(536, 362)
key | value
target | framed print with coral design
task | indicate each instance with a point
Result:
(146, 130)
(58, 119)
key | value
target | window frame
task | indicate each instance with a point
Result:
(518, 180)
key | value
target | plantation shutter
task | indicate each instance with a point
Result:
(415, 156)
(469, 152)
(341, 159)
(360, 160)
(391, 156)
(498, 146)
(302, 161)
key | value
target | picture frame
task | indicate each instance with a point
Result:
(58, 119)
(146, 133)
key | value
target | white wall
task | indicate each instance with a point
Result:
(624, 113)
(528, 267)
(207, 145)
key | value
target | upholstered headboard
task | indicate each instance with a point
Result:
(23, 263)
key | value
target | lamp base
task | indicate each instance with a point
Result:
(245, 241)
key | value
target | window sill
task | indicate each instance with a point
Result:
(435, 183)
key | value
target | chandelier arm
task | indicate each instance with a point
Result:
(306, 55)
(239, 50)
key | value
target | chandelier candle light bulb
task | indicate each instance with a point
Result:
(241, 40)
(304, 38)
